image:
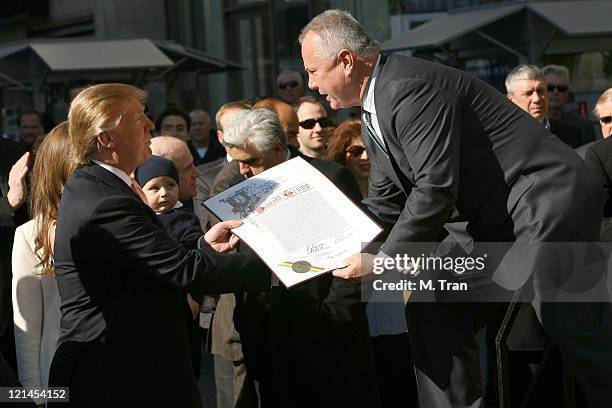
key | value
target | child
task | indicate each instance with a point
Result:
(160, 182)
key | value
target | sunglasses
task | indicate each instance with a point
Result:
(355, 150)
(560, 88)
(606, 120)
(290, 84)
(310, 123)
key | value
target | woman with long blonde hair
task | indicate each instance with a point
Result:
(35, 297)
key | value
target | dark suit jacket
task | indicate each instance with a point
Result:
(311, 342)
(570, 134)
(10, 152)
(122, 282)
(598, 156)
(183, 226)
(587, 128)
(459, 151)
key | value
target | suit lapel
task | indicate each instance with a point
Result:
(394, 163)
(112, 180)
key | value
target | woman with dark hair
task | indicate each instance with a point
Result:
(346, 147)
(36, 302)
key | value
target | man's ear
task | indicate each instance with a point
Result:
(280, 149)
(105, 140)
(346, 60)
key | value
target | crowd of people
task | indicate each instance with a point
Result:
(117, 266)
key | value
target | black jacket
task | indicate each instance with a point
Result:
(598, 156)
(10, 152)
(122, 283)
(460, 151)
(569, 133)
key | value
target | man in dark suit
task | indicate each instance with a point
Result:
(121, 278)
(446, 148)
(558, 86)
(526, 87)
(598, 156)
(203, 143)
(14, 164)
(318, 330)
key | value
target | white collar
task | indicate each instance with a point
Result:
(368, 98)
(177, 205)
(116, 171)
(546, 123)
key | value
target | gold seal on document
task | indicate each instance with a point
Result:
(300, 266)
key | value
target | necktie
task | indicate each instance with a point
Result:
(367, 119)
(139, 192)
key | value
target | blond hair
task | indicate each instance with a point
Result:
(95, 110)
(53, 165)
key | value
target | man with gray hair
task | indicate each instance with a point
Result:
(451, 155)
(557, 79)
(317, 330)
(526, 87)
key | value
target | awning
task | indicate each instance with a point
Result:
(571, 19)
(101, 55)
(54, 60)
(577, 18)
(196, 59)
(446, 28)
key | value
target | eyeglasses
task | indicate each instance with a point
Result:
(560, 88)
(606, 120)
(310, 123)
(290, 84)
(355, 150)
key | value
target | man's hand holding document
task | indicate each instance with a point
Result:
(296, 220)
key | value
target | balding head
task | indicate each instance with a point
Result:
(286, 116)
(176, 150)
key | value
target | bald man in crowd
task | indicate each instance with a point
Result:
(176, 150)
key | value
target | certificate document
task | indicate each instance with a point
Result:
(296, 220)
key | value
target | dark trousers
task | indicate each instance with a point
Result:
(395, 371)
(445, 352)
(7, 346)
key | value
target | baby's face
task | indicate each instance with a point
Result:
(162, 193)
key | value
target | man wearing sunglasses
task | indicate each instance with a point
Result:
(290, 86)
(557, 84)
(598, 156)
(315, 126)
